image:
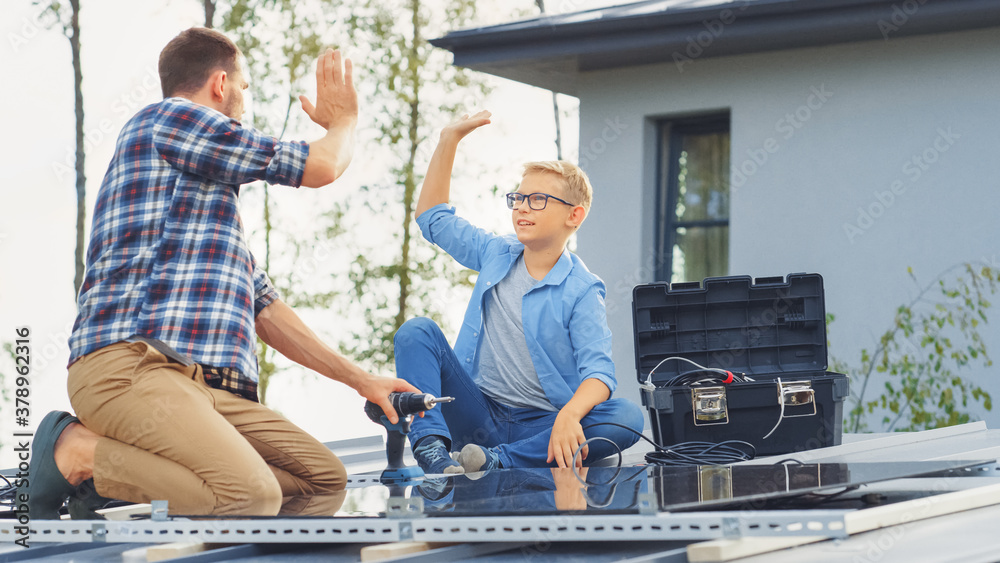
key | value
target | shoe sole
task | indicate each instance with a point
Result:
(46, 488)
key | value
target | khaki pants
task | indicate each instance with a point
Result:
(169, 436)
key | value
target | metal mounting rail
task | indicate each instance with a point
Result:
(552, 528)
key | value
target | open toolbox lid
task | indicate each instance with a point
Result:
(763, 326)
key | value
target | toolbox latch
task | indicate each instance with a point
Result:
(797, 393)
(708, 406)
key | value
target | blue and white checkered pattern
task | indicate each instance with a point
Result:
(168, 258)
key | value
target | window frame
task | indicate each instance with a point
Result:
(669, 134)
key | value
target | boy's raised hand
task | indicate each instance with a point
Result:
(437, 181)
(336, 99)
(465, 125)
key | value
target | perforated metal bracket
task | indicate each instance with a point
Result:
(662, 526)
(402, 507)
(159, 511)
(708, 406)
(358, 481)
(797, 393)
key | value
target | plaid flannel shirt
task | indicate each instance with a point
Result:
(168, 259)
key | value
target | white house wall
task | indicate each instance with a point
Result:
(893, 161)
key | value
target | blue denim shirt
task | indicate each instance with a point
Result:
(565, 326)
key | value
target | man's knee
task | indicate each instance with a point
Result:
(415, 330)
(267, 500)
(256, 494)
(332, 478)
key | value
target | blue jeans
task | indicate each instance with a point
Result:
(521, 435)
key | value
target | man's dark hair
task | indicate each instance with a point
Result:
(191, 57)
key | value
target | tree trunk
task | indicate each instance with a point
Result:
(555, 100)
(555, 110)
(81, 179)
(410, 179)
(209, 12)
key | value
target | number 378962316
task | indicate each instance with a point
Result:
(22, 365)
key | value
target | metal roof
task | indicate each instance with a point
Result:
(962, 536)
(550, 51)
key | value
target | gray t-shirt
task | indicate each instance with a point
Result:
(506, 373)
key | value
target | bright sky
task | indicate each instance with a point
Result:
(121, 42)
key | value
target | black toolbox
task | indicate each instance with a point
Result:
(773, 330)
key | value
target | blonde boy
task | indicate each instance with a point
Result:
(531, 369)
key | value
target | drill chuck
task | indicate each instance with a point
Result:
(405, 404)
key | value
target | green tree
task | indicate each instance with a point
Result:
(281, 40)
(406, 87)
(415, 89)
(918, 363)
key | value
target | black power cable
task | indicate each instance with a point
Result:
(702, 453)
(700, 376)
(684, 453)
(8, 492)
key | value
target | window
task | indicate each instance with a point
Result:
(692, 217)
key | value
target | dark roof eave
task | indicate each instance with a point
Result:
(546, 53)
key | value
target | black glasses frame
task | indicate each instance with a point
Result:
(515, 198)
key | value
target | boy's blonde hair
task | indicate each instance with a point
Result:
(578, 188)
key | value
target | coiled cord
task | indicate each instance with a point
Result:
(684, 453)
(700, 376)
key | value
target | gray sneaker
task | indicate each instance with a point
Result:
(477, 458)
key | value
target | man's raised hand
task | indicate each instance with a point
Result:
(336, 99)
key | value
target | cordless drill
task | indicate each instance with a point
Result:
(405, 404)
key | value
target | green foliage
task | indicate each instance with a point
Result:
(917, 365)
(281, 40)
(406, 89)
(415, 89)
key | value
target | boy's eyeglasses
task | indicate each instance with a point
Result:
(536, 201)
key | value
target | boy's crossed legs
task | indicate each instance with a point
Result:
(515, 437)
